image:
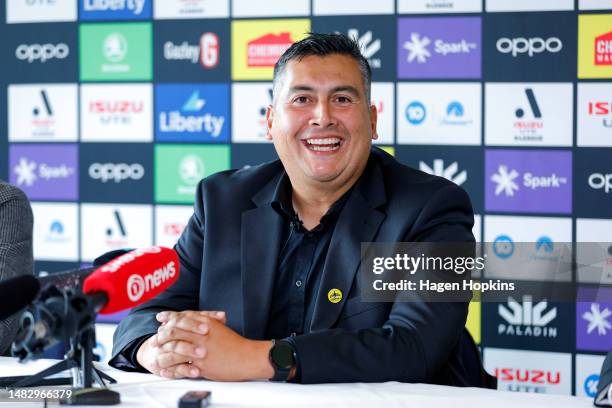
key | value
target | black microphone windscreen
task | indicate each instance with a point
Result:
(110, 255)
(16, 293)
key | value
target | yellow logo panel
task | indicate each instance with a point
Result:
(473, 321)
(595, 46)
(334, 295)
(257, 45)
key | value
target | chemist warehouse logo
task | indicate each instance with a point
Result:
(192, 112)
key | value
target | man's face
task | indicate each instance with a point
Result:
(321, 122)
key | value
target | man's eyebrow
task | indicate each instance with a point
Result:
(342, 88)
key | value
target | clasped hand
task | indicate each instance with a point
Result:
(194, 344)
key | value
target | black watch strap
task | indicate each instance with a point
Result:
(283, 358)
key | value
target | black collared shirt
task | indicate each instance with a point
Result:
(301, 259)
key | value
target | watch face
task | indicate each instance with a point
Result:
(282, 355)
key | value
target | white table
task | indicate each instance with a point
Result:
(146, 390)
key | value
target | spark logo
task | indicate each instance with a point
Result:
(504, 180)
(450, 173)
(369, 47)
(417, 48)
(527, 319)
(598, 319)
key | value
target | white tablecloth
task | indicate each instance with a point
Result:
(146, 390)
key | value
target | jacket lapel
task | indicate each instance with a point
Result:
(359, 222)
(260, 243)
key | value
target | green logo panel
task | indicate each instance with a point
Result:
(179, 168)
(116, 52)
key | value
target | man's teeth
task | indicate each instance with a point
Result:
(323, 148)
(327, 141)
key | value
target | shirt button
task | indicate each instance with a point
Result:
(298, 283)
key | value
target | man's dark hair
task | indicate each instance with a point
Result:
(322, 45)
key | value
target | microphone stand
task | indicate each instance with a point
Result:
(78, 359)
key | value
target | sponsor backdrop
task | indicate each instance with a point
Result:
(112, 111)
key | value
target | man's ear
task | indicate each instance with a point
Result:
(269, 120)
(373, 121)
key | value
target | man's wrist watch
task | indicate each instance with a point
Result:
(283, 358)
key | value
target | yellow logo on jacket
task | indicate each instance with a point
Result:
(334, 295)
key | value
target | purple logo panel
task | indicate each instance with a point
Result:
(594, 319)
(528, 181)
(439, 47)
(45, 172)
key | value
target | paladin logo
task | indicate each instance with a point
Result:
(603, 110)
(598, 319)
(603, 49)
(368, 47)
(527, 320)
(417, 47)
(449, 173)
(174, 121)
(265, 51)
(528, 128)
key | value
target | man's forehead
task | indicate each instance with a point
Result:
(332, 71)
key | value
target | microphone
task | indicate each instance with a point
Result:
(16, 293)
(603, 398)
(126, 281)
(132, 279)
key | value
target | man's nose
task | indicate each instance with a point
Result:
(323, 115)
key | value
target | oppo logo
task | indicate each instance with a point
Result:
(116, 172)
(531, 46)
(42, 52)
(600, 181)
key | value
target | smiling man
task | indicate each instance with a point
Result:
(269, 287)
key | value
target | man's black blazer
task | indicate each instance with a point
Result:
(229, 251)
